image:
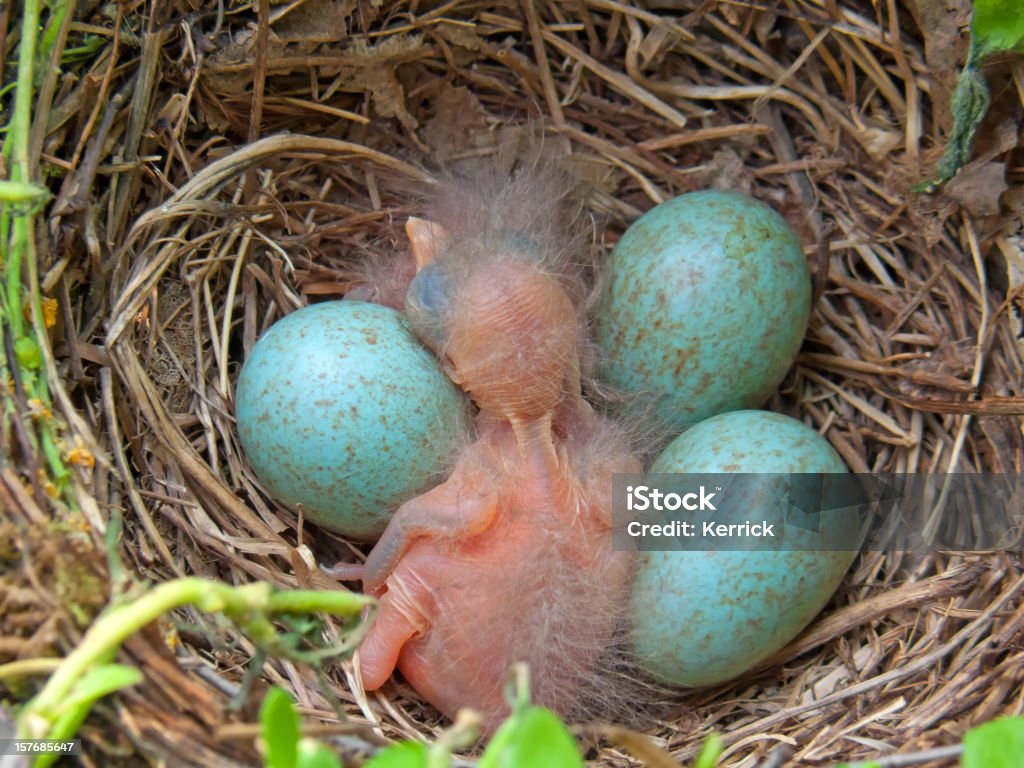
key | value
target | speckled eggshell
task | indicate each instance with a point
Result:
(705, 307)
(341, 409)
(704, 617)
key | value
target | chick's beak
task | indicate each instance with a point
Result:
(425, 239)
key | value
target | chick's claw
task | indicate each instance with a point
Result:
(459, 508)
(345, 571)
(397, 622)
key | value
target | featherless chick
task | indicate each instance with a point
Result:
(511, 558)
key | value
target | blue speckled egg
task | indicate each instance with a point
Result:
(342, 410)
(705, 307)
(704, 617)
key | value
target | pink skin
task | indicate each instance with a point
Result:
(510, 559)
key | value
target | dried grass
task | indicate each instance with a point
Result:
(174, 245)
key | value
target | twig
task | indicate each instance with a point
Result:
(543, 66)
(258, 87)
(617, 80)
(777, 757)
(913, 758)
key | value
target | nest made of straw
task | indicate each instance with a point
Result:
(222, 164)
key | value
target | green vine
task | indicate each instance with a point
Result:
(23, 366)
(88, 674)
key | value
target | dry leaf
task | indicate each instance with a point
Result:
(728, 171)
(765, 26)
(945, 25)
(459, 123)
(879, 142)
(1012, 248)
(978, 187)
(314, 21)
(387, 93)
(639, 745)
(657, 43)
(832, 681)
(460, 36)
(593, 173)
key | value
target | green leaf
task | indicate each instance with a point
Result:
(997, 26)
(710, 752)
(28, 352)
(90, 688)
(102, 681)
(280, 722)
(407, 754)
(533, 737)
(998, 744)
(316, 754)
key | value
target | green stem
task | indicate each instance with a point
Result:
(57, 13)
(17, 150)
(464, 731)
(113, 627)
(107, 632)
(22, 193)
(336, 602)
(21, 120)
(24, 667)
(17, 224)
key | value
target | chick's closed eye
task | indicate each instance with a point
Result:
(427, 302)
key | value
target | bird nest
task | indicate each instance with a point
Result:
(220, 165)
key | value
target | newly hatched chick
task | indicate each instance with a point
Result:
(510, 559)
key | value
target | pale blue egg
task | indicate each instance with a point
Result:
(342, 410)
(705, 306)
(704, 617)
